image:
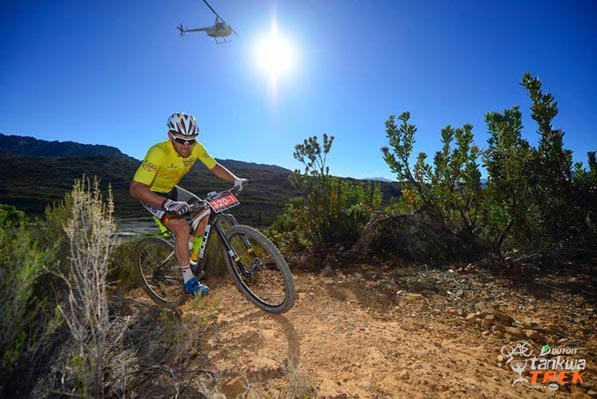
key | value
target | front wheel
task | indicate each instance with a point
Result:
(259, 270)
(155, 266)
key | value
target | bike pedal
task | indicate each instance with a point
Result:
(199, 274)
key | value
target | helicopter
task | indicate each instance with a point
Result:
(220, 29)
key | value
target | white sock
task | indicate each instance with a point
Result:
(187, 273)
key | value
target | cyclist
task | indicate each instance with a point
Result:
(155, 186)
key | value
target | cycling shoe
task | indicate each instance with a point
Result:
(195, 287)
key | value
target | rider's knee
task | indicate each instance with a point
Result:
(179, 226)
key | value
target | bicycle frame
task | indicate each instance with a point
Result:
(213, 221)
(257, 267)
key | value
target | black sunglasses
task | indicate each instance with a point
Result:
(182, 141)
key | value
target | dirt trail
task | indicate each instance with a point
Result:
(371, 333)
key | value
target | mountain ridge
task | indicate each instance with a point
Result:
(31, 181)
(27, 145)
(35, 174)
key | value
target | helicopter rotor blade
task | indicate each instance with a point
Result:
(181, 30)
(218, 16)
(211, 8)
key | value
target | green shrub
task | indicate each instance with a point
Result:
(510, 206)
(539, 199)
(52, 228)
(331, 210)
(285, 231)
(22, 264)
(450, 187)
(564, 206)
(121, 265)
(535, 197)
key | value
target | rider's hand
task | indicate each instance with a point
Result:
(177, 207)
(240, 183)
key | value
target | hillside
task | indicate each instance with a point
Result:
(37, 173)
(31, 183)
(24, 145)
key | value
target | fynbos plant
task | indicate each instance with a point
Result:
(535, 196)
(451, 186)
(90, 231)
(330, 210)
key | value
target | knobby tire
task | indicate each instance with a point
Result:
(164, 286)
(270, 289)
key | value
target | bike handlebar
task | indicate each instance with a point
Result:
(199, 204)
(216, 194)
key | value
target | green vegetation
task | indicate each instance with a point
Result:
(535, 198)
(27, 320)
(22, 265)
(449, 188)
(330, 210)
(54, 286)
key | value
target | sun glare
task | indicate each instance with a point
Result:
(275, 55)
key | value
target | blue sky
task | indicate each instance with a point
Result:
(111, 72)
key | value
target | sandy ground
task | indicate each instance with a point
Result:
(416, 333)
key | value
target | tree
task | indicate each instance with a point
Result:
(451, 186)
(331, 210)
(510, 206)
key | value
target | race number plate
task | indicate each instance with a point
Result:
(224, 202)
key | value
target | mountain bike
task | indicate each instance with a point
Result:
(257, 267)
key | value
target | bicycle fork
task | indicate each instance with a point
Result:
(232, 253)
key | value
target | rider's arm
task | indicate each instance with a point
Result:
(142, 192)
(146, 174)
(223, 173)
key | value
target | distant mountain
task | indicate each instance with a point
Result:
(37, 173)
(23, 145)
(232, 164)
(380, 179)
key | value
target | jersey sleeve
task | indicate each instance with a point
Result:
(149, 167)
(204, 157)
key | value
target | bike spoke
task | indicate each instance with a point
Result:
(258, 270)
(158, 272)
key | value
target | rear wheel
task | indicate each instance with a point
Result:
(259, 270)
(155, 266)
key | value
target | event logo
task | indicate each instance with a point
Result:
(552, 366)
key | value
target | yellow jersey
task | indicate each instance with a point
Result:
(163, 168)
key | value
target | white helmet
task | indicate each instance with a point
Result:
(182, 123)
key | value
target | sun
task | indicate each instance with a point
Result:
(275, 54)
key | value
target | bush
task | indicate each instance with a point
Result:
(90, 229)
(53, 274)
(450, 188)
(23, 325)
(121, 271)
(535, 198)
(540, 200)
(331, 210)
